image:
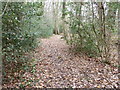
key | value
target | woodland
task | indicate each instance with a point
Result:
(60, 44)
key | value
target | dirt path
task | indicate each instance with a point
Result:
(57, 67)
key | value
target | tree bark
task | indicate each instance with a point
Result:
(102, 37)
(63, 19)
(55, 17)
(119, 40)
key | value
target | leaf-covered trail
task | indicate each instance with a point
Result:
(57, 67)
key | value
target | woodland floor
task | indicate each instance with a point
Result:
(57, 67)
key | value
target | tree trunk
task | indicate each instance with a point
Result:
(94, 29)
(102, 37)
(55, 17)
(63, 20)
(119, 40)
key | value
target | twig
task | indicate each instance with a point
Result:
(4, 9)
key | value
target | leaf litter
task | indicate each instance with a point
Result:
(58, 67)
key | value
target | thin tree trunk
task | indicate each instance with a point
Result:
(101, 14)
(119, 40)
(79, 17)
(63, 19)
(97, 45)
(55, 17)
(110, 19)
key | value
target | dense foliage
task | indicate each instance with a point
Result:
(91, 31)
(35, 22)
(22, 25)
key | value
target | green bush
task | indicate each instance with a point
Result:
(16, 42)
(83, 39)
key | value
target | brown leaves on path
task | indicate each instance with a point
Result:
(57, 67)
